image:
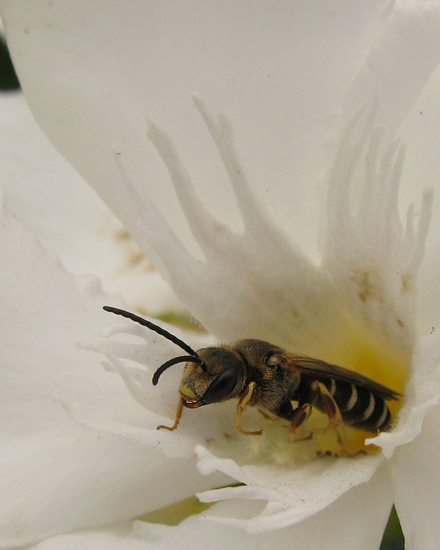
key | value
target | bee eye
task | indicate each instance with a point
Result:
(222, 386)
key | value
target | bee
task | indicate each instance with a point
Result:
(260, 374)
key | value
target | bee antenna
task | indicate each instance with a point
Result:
(157, 329)
(174, 361)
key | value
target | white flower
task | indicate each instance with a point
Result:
(300, 243)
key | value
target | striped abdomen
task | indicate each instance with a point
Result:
(359, 407)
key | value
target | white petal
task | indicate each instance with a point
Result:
(59, 476)
(45, 193)
(348, 523)
(417, 487)
(356, 521)
(49, 197)
(416, 480)
(397, 50)
(292, 495)
(421, 171)
(278, 72)
(117, 538)
(374, 257)
(262, 61)
(286, 153)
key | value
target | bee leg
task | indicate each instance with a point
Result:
(242, 405)
(300, 415)
(333, 413)
(176, 421)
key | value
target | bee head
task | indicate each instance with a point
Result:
(213, 380)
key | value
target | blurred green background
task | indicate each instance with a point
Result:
(8, 78)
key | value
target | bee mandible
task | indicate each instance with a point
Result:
(261, 374)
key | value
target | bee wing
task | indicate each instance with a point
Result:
(322, 370)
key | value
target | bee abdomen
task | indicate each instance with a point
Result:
(359, 407)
